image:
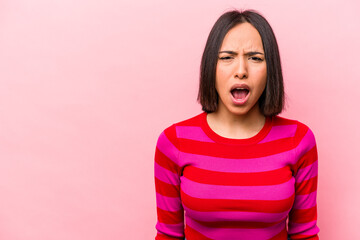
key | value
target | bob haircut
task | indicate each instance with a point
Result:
(271, 102)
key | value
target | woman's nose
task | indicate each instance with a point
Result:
(241, 69)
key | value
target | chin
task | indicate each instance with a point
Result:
(242, 110)
(239, 111)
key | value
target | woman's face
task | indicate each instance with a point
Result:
(241, 64)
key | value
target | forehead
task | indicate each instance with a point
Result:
(243, 36)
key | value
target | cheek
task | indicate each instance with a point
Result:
(219, 79)
(261, 78)
(223, 74)
(262, 85)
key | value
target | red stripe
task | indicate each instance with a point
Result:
(273, 177)
(306, 186)
(301, 131)
(280, 236)
(240, 152)
(280, 121)
(166, 189)
(212, 205)
(238, 224)
(169, 217)
(302, 236)
(165, 162)
(308, 158)
(161, 236)
(303, 215)
(192, 234)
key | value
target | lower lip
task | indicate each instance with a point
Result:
(238, 101)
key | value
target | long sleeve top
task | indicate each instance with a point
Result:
(213, 187)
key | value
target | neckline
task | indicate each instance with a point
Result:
(220, 139)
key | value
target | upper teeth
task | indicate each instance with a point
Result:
(239, 88)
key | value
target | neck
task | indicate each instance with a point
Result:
(238, 126)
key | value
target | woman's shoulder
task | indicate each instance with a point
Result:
(192, 121)
(302, 135)
(281, 121)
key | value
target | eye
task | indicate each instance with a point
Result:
(257, 59)
(226, 58)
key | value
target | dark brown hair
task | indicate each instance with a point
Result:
(271, 102)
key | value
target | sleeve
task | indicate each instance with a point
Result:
(170, 213)
(303, 215)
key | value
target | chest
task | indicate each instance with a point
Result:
(242, 189)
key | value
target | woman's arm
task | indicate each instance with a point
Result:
(303, 215)
(170, 213)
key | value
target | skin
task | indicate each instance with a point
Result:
(244, 64)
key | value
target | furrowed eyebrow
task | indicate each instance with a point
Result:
(253, 53)
(235, 53)
(229, 52)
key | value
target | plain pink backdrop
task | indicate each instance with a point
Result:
(86, 87)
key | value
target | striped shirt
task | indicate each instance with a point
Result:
(212, 187)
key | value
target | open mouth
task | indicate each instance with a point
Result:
(239, 93)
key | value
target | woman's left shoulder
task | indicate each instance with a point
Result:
(300, 126)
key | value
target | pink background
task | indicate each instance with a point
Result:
(86, 87)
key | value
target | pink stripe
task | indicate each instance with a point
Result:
(307, 172)
(167, 148)
(165, 175)
(262, 164)
(192, 133)
(237, 233)
(207, 191)
(307, 143)
(305, 201)
(279, 132)
(176, 230)
(168, 203)
(235, 215)
(309, 228)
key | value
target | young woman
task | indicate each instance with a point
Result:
(238, 170)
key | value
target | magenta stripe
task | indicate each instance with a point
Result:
(168, 203)
(305, 201)
(165, 175)
(307, 172)
(262, 164)
(167, 148)
(207, 191)
(309, 228)
(232, 215)
(279, 132)
(307, 143)
(176, 230)
(192, 133)
(236, 233)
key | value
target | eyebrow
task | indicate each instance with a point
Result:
(247, 53)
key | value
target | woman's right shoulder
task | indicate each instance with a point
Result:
(170, 132)
(190, 121)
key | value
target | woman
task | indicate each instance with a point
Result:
(237, 170)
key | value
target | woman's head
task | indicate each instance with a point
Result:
(271, 101)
